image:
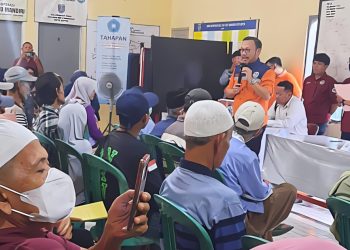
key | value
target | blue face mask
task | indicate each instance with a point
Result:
(55, 199)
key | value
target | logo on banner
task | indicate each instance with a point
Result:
(61, 8)
(113, 26)
(81, 1)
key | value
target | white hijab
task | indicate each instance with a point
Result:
(71, 126)
(82, 90)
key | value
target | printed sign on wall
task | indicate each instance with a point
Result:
(70, 12)
(13, 10)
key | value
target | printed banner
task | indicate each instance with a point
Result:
(13, 10)
(70, 12)
(112, 48)
(139, 33)
(233, 32)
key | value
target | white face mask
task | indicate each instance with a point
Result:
(55, 199)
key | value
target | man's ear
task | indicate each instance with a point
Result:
(5, 206)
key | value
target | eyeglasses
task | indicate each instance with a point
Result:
(245, 51)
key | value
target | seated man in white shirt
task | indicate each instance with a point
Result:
(287, 111)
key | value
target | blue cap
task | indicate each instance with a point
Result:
(131, 107)
(151, 97)
(6, 101)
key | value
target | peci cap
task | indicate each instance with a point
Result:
(18, 73)
(249, 116)
(176, 99)
(196, 95)
(207, 118)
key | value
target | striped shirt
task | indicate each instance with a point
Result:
(46, 123)
(20, 114)
(216, 207)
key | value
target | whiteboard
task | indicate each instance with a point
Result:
(334, 36)
(138, 34)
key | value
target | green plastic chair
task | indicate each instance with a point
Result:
(95, 170)
(250, 241)
(340, 210)
(151, 141)
(50, 147)
(170, 214)
(171, 156)
(64, 150)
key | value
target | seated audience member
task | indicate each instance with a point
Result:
(5, 102)
(34, 198)
(345, 120)
(83, 91)
(29, 59)
(287, 111)
(193, 186)
(20, 92)
(226, 75)
(341, 189)
(282, 75)
(301, 243)
(266, 206)
(319, 95)
(71, 125)
(174, 102)
(94, 103)
(122, 149)
(175, 132)
(50, 96)
(153, 100)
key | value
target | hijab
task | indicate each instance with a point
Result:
(82, 90)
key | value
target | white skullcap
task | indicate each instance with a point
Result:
(249, 116)
(13, 137)
(207, 118)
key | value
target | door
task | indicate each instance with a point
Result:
(10, 49)
(59, 48)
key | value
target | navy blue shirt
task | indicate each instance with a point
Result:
(216, 207)
(161, 126)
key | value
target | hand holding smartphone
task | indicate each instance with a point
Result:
(139, 188)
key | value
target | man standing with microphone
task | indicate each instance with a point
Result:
(251, 81)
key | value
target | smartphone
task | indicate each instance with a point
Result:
(139, 188)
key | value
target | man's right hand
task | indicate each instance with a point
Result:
(236, 90)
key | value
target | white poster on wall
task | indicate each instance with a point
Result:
(138, 34)
(13, 10)
(112, 48)
(70, 12)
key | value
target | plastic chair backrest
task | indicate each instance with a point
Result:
(151, 141)
(171, 156)
(95, 183)
(340, 210)
(312, 128)
(50, 147)
(64, 150)
(171, 214)
(250, 241)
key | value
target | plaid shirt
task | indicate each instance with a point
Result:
(46, 123)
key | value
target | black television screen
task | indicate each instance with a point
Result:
(187, 63)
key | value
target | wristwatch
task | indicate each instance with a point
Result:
(255, 81)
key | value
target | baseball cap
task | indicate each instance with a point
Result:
(322, 57)
(207, 118)
(151, 97)
(249, 116)
(6, 101)
(17, 73)
(176, 99)
(16, 137)
(196, 95)
(131, 107)
(6, 85)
